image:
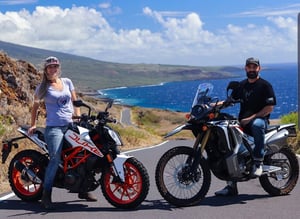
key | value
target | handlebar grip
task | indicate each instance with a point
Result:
(76, 117)
(111, 120)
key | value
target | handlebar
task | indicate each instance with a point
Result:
(102, 117)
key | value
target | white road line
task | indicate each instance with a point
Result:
(145, 148)
(10, 195)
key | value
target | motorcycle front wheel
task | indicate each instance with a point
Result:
(130, 193)
(281, 182)
(20, 183)
(179, 183)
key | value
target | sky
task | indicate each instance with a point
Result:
(183, 32)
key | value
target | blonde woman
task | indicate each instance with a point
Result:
(58, 94)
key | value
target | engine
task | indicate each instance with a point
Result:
(72, 180)
(82, 178)
(217, 151)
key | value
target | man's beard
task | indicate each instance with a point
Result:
(252, 74)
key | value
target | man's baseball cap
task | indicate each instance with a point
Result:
(252, 60)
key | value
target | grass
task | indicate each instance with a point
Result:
(290, 118)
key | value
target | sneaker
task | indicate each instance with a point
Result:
(228, 191)
(87, 196)
(257, 170)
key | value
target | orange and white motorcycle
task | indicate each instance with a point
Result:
(90, 157)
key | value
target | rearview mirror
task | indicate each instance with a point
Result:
(109, 105)
(233, 85)
(80, 103)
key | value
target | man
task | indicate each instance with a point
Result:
(257, 102)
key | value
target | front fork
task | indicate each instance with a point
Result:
(118, 166)
(198, 151)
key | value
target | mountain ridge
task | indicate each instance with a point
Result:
(91, 74)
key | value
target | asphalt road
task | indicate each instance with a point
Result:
(252, 201)
(125, 117)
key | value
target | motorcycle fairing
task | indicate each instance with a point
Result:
(35, 137)
(82, 140)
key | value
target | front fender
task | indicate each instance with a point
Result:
(186, 126)
(118, 163)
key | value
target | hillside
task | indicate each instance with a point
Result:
(18, 80)
(91, 74)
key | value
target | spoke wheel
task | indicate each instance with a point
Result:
(281, 182)
(177, 182)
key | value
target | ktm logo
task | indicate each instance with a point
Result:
(86, 145)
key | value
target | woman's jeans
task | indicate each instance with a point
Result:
(258, 127)
(54, 138)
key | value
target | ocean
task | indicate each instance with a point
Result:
(178, 96)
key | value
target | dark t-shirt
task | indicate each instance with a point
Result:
(254, 97)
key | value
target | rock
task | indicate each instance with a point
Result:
(18, 80)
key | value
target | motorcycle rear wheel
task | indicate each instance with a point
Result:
(175, 180)
(21, 185)
(131, 193)
(281, 182)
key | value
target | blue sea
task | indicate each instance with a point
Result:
(178, 96)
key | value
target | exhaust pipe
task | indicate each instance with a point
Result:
(27, 172)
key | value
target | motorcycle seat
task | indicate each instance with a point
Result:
(37, 130)
(271, 128)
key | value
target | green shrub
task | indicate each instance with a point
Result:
(2, 129)
(290, 118)
(6, 121)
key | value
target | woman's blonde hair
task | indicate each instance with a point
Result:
(43, 87)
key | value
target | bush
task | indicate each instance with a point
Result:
(2, 129)
(290, 118)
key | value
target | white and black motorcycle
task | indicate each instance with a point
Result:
(183, 174)
(90, 157)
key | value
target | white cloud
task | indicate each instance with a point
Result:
(289, 10)
(104, 5)
(183, 37)
(17, 2)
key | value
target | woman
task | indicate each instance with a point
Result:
(58, 94)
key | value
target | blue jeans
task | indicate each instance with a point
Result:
(258, 127)
(54, 138)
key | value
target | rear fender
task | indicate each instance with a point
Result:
(7, 145)
(291, 128)
(277, 140)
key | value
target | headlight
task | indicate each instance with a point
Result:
(115, 136)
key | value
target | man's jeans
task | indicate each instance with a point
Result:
(258, 127)
(54, 139)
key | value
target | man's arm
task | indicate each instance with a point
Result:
(262, 113)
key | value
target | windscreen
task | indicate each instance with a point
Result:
(203, 93)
